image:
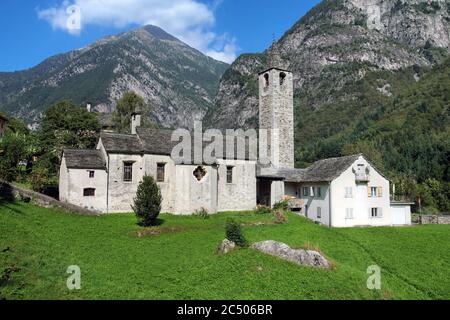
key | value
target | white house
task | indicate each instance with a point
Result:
(339, 192)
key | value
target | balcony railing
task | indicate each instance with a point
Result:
(361, 178)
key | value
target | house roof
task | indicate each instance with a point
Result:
(152, 141)
(121, 143)
(84, 159)
(321, 171)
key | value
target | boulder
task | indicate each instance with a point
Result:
(226, 246)
(298, 256)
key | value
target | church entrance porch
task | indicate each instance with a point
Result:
(264, 192)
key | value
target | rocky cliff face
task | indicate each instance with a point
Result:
(178, 81)
(334, 47)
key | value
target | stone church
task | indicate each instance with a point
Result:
(339, 192)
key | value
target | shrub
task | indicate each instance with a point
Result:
(280, 217)
(234, 233)
(282, 205)
(202, 213)
(42, 180)
(263, 210)
(430, 210)
(147, 204)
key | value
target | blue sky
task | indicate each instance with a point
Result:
(33, 30)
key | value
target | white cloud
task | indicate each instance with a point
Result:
(189, 20)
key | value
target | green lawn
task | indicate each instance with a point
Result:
(182, 264)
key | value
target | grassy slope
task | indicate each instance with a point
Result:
(116, 264)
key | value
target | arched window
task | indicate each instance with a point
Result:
(266, 78)
(282, 78)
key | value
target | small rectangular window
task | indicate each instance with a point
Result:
(229, 174)
(161, 172)
(127, 171)
(319, 192)
(380, 192)
(373, 192)
(89, 192)
(319, 213)
(375, 213)
(349, 213)
(91, 174)
(306, 192)
(312, 192)
(349, 192)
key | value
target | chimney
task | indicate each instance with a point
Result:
(89, 107)
(135, 122)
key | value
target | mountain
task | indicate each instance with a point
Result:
(346, 56)
(179, 82)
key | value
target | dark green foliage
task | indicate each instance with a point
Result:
(63, 125)
(13, 149)
(234, 233)
(44, 176)
(147, 203)
(263, 210)
(282, 205)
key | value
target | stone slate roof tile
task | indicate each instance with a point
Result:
(321, 171)
(121, 143)
(84, 159)
(151, 141)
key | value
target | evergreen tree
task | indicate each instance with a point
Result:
(147, 203)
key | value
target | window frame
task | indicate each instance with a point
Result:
(161, 166)
(230, 174)
(376, 211)
(372, 193)
(319, 212)
(305, 194)
(349, 214)
(349, 195)
(127, 176)
(87, 193)
(91, 174)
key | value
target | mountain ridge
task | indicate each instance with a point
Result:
(178, 81)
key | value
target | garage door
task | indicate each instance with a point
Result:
(398, 216)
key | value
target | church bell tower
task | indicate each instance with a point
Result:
(276, 110)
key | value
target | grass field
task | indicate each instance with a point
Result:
(37, 245)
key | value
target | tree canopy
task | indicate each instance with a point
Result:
(127, 105)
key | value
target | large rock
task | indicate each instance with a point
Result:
(226, 246)
(298, 256)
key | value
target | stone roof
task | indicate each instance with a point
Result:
(121, 143)
(321, 171)
(150, 141)
(84, 159)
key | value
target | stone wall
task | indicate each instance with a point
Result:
(431, 219)
(43, 200)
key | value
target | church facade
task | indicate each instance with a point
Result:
(339, 192)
